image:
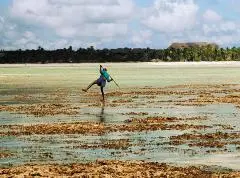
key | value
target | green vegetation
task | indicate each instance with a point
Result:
(40, 55)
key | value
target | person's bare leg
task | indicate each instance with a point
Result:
(89, 86)
(102, 95)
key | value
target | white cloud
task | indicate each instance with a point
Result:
(211, 16)
(216, 28)
(72, 18)
(1, 23)
(224, 33)
(142, 37)
(222, 27)
(171, 15)
(101, 30)
(112, 23)
(13, 37)
(223, 40)
(83, 2)
(1, 19)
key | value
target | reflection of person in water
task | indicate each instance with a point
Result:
(102, 115)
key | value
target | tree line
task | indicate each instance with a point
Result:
(91, 55)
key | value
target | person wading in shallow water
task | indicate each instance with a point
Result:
(101, 81)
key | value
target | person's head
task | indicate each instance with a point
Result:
(105, 69)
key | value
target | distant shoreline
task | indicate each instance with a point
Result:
(125, 64)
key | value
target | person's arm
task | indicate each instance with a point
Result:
(111, 79)
(100, 69)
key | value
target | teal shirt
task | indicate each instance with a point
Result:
(105, 75)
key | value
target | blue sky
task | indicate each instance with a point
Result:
(53, 24)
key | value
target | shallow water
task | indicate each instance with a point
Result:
(127, 75)
(41, 83)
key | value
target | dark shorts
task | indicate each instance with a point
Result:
(101, 82)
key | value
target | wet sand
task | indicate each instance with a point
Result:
(40, 110)
(212, 140)
(114, 169)
(5, 154)
(94, 128)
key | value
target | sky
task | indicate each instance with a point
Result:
(53, 24)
